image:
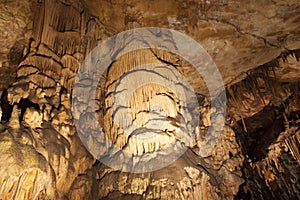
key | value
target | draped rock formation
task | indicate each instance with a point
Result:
(146, 127)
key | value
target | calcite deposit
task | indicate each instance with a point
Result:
(149, 125)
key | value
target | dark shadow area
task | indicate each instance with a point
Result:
(24, 104)
(263, 130)
(5, 106)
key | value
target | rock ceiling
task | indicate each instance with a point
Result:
(148, 126)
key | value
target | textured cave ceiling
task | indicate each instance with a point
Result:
(55, 123)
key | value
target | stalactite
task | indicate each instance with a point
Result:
(64, 33)
(257, 83)
(63, 46)
(296, 54)
(64, 17)
(267, 79)
(67, 79)
(38, 20)
(254, 87)
(232, 94)
(293, 143)
(25, 70)
(42, 80)
(45, 64)
(70, 62)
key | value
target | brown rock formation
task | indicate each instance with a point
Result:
(147, 126)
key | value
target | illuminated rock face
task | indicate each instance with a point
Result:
(148, 100)
(146, 108)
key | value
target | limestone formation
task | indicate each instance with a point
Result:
(148, 126)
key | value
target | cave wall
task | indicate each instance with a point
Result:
(253, 43)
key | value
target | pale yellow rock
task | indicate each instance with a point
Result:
(25, 174)
(14, 119)
(33, 118)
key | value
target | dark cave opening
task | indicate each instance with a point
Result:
(263, 129)
(5, 106)
(24, 104)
